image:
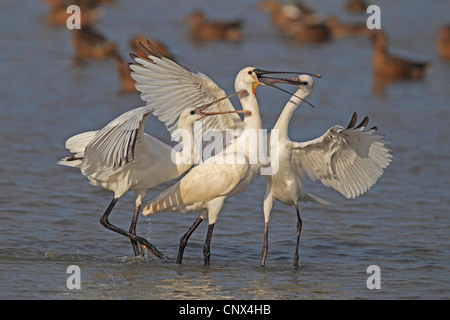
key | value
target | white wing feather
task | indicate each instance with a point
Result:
(349, 161)
(78, 143)
(170, 88)
(114, 145)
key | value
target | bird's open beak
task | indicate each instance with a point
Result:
(201, 109)
(271, 81)
(260, 73)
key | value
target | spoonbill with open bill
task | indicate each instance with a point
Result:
(348, 160)
(197, 190)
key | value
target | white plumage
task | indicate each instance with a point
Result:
(121, 157)
(207, 185)
(348, 160)
(170, 88)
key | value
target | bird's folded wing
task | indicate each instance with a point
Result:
(77, 144)
(114, 145)
(198, 187)
(348, 160)
(170, 88)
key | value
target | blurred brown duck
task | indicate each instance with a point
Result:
(356, 6)
(202, 30)
(296, 21)
(89, 43)
(340, 29)
(444, 42)
(312, 33)
(389, 66)
(127, 83)
(283, 15)
(78, 2)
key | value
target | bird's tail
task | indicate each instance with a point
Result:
(168, 200)
(71, 161)
(315, 199)
(76, 145)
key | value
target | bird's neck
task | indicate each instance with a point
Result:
(249, 103)
(283, 121)
(184, 159)
(248, 141)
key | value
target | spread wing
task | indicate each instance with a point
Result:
(114, 145)
(348, 160)
(169, 88)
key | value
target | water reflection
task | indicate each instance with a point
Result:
(193, 285)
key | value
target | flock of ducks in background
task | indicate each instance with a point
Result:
(295, 21)
(356, 162)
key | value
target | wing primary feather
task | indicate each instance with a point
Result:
(363, 123)
(133, 56)
(154, 51)
(144, 49)
(352, 121)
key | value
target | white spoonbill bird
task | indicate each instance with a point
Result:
(348, 160)
(121, 157)
(206, 186)
(169, 88)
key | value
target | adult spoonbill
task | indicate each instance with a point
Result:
(206, 186)
(169, 88)
(348, 160)
(121, 157)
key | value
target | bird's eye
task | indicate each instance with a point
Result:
(306, 83)
(192, 112)
(250, 72)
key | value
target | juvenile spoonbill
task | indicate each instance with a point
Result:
(121, 157)
(348, 160)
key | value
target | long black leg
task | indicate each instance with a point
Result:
(184, 239)
(104, 221)
(206, 251)
(132, 230)
(299, 231)
(266, 244)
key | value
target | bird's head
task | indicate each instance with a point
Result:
(250, 78)
(190, 115)
(305, 82)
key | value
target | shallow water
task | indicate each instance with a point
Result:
(50, 214)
